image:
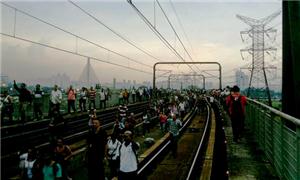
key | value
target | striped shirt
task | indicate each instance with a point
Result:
(92, 94)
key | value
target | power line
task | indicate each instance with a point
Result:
(113, 31)
(174, 30)
(75, 53)
(182, 27)
(157, 33)
(75, 35)
(176, 34)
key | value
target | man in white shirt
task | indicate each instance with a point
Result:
(128, 158)
(102, 99)
(55, 100)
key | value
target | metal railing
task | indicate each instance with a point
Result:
(278, 135)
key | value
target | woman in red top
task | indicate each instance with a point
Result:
(236, 107)
(163, 120)
(71, 99)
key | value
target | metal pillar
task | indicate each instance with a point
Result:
(220, 70)
(203, 78)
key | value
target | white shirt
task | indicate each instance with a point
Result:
(181, 106)
(133, 91)
(128, 161)
(113, 148)
(102, 95)
(211, 99)
(29, 166)
(56, 96)
(141, 91)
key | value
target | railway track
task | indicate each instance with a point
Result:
(159, 163)
(73, 129)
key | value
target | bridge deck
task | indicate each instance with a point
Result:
(245, 160)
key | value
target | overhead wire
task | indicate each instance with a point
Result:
(75, 35)
(176, 34)
(157, 33)
(113, 31)
(182, 27)
(75, 53)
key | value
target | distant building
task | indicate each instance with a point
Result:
(134, 83)
(114, 83)
(242, 80)
(4, 80)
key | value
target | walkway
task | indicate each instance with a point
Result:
(245, 160)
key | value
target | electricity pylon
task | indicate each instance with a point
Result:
(257, 33)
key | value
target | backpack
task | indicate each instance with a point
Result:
(236, 107)
(55, 169)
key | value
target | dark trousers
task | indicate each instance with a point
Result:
(37, 110)
(23, 107)
(102, 104)
(146, 127)
(127, 175)
(121, 100)
(52, 108)
(174, 142)
(114, 166)
(7, 110)
(71, 104)
(237, 124)
(92, 101)
(95, 169)
(82, 104)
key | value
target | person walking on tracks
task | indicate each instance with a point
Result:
(25, 99)
(174, 125)
(128, 158)
(38, 102)
(55, 101)
(97, 146)
(236, 107)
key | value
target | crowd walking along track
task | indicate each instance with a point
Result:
(159, 163)
(74, 128)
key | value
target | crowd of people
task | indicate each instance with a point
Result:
(51, 165)
(81, 100)
(119, 147)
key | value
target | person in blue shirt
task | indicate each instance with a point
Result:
(174, 125)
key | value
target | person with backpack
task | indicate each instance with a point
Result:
(236, 108)
(62, 154)
(128, 158)
(51, 169)
(113, 154)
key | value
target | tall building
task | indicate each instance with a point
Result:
(114, 83)
(242, 79)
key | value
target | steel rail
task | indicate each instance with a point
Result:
(208, 119)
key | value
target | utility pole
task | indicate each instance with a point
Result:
(257, 33)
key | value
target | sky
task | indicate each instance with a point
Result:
(211, 32)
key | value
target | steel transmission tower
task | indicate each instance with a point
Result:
(257, 33)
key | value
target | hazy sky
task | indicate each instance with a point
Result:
(211, 27)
